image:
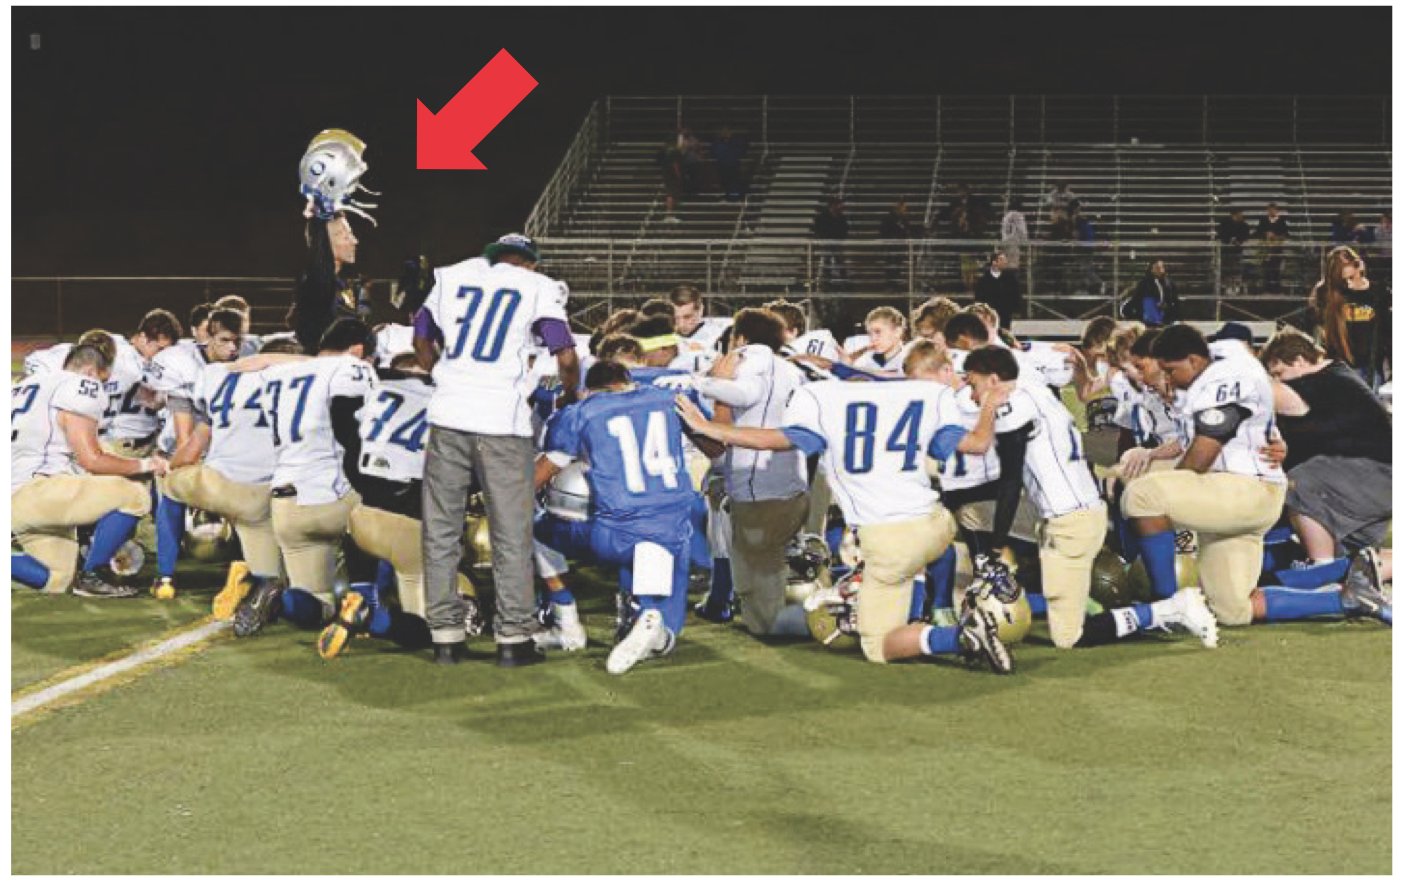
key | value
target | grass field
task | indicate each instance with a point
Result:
(1271, 754)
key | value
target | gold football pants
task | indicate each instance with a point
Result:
(46, 513)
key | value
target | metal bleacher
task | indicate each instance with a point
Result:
(1155, 172)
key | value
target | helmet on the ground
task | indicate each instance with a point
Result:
(208, 537)
(995, 591)
(1109, 580)
(832, 613)
(129, 560)
(807, 556)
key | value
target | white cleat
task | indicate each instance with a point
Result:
(1193, 614)
(648, 638)
(568, 632)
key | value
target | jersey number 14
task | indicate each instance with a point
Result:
(654, 456)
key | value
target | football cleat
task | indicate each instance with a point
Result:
(1362, 594)
(978, 637)
(566, 632)
(259, 608)
(449, 654)
(94, 584)
(237, 584)
(163, 588)
(350, 617)
(625, 614)
(648, 638)
(713, 613)
(1192, 613)
(519, 653)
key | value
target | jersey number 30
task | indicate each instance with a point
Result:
(491, 333)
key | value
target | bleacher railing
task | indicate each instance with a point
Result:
(1059, 279)
(1168, 119)
(570, 175)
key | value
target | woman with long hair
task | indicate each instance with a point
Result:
(1353, 315)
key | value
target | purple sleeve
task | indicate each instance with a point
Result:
(555, 333)
(425, 328)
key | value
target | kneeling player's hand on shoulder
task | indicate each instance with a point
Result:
(690, 414)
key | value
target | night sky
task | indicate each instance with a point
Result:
(165, 141)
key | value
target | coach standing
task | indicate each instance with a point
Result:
(489, 311)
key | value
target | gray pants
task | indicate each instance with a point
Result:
(505, 467)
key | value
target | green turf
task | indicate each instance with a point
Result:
(1271, 755)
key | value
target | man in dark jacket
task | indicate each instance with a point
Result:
(1000, 288)
(830, 224)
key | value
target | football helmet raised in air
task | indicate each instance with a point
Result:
(330, 172)
(567, 494)
(208, 537)
(832, 613)
(807, 556)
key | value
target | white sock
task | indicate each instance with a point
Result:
(1165, 613)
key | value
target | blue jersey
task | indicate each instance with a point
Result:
(632, 442)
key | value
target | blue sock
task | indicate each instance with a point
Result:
(722, 590)
(380, 622)
(833, 537)
(940, 640)
(917, 600)
(1144, 615)
(563, 596)
(1283, 603)
(1159, 551)
(28, 570)
(108, 534)
(1315, 575)
(170, 527)
(939, 579)
(1038, 602)
(303, 609)
(370, 593)
(700, 545)
(385, 580)
(1129, 540)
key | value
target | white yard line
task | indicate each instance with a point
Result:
(105, 671)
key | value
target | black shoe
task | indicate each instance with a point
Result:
(259, 608)
(448, 654)
(95, 584)
(519, 653)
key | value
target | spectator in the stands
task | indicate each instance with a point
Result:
(1054, 203)
(1232, 234)
(1354, 315)
(1155, 300)
(669, 158)
(830, 224)
(1055, 258)
(1000, 288)
(1013, 233)
(1345, 229)
(1274, 229)
(729, 150)
(1083, 224)
(898, 225)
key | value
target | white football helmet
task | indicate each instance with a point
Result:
(330, 173)
(208, 537)
(807, 556)
(567, 494)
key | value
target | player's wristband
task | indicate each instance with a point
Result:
(144, 466)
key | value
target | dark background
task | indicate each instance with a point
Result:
(165, 141)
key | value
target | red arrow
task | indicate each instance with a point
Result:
(446, 139)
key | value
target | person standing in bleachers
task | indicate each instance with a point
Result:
(1232, 234)
(999, 287)
(1274, 229)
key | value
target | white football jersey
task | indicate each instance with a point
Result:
(816, 342)
(127, 418)
(1244, 382)
(240, 433)
(38, 447)
(393, 340)
(1053, 364)
(855, 342)
(963, 471)
(1228, 348)
(487, 313)
(1143, 413)
(706, 336)
(544, 363)
(1057, 471)
(394, 429)
(174, 370)
(46, 360)
(874, 437)
(297, 400)
(871, 362)
(762, 386)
